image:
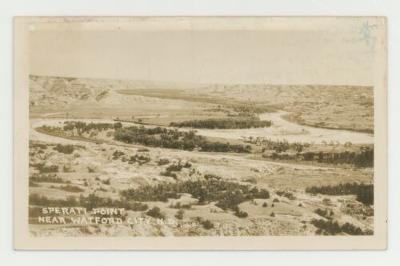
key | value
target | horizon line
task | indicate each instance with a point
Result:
(204, 84)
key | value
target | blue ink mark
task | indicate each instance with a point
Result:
(366, 32)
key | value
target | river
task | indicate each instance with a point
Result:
(292, 132)
(281, 129)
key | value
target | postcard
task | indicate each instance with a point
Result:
(200, 133)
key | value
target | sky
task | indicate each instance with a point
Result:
(299, 56)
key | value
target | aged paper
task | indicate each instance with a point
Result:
(200, 133)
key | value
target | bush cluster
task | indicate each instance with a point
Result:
(279, 145)
(83, 127)
(67, 149)
(163, 161)
(328, 214)
(224, 123)
(364, 192)
(47, 178)
(239, 213)
(179, 214)
(226, 194)
(330, 227)
(174, 139)
(140, 159)
(169, 174)
(361, 158)
(286, 194)
(117, 154)
(42, 168)
(155, 212)
(70, 188)
(207, 224)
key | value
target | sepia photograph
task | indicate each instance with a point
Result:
(200, 132)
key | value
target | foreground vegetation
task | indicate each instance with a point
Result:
(329, 227)
(364, 192)
(227, 195)
(47, 178)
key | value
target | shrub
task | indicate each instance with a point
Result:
(333, 228)
(117, 125)
(326, 201)
(32, 184)
(163, 162)
(179, 214)
(47, 178)
(265, 205)
(67, 149)
(117, 154)
(241, 214)
(363, 157)
(174, 167)
(70, 188)
(207, 224)
(158, 192)
(170, 174)
(37, 145)
(211, 176)
(366, 195)
(231, 200)
(91, 169)
(107, 181)
(262, 194)
(47, 169)
(178, 205)
(226, 194)
(67, 169)
(351, 229)
(155, 212)
(286, 194)
(141, 159)
(83, 127)
(35, 199)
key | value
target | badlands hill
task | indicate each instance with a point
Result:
(339, 107)
(47, 91)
